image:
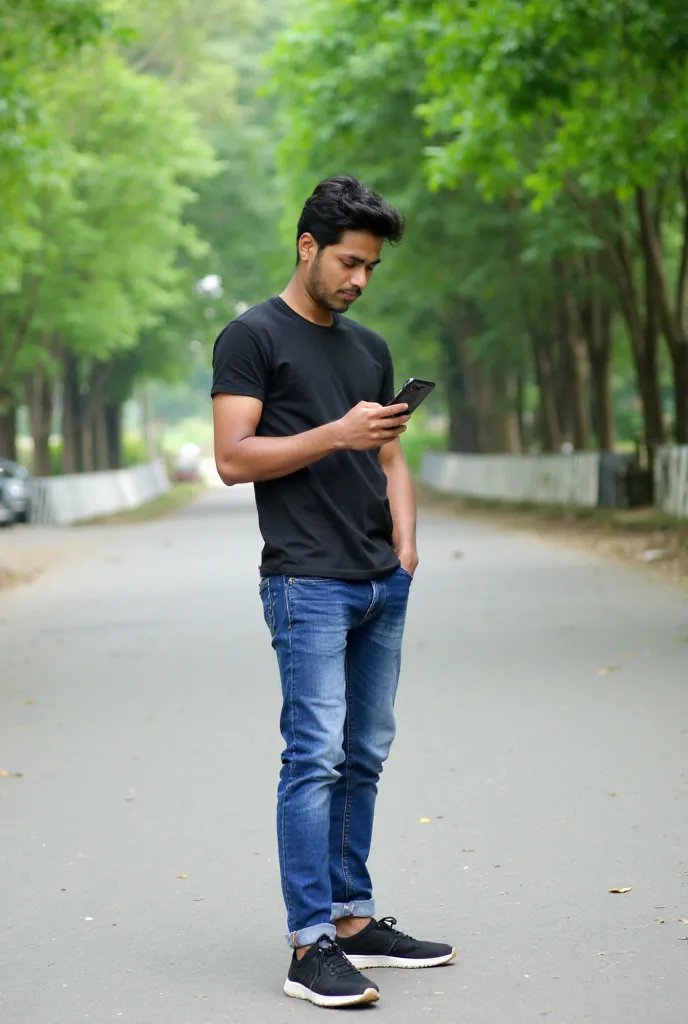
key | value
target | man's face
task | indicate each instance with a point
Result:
(337, 275)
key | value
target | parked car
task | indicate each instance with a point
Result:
(14, 491)
(6, 513)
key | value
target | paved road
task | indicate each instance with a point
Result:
(139, 702)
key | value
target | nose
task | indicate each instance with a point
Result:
(359, 278)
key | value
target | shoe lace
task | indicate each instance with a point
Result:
(334, 960)
(388, 923)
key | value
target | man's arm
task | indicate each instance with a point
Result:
(241, 457)
(402, 504)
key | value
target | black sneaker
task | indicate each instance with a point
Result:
(324, 976)
(379, 944)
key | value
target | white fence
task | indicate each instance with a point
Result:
(550, 479)
(61, 500)
(671, 481)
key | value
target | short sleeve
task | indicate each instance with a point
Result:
(240, 364)
(387, 387)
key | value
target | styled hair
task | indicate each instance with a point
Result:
(345, 204)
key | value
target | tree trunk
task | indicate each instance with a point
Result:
(500, 412)
(643, 334)
(101, 438)
(579, 366)
(596, 324)
(600, 350)
(463, 418)
(608, 221)
(550, 428)
(93, 447)
(670, 320)
(113, 426)
(39, 399)
(71, 415)
(8, 427)
(680, 367)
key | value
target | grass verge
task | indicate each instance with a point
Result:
(178, 497)
(642, 536)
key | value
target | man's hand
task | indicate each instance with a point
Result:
(370, 425)
(409, 560)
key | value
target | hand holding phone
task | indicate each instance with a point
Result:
(414, 391)
(369, 425)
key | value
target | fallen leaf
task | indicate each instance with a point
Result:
(683, 920)
(659, 920)
(3, 773)
(182, 876)
(683, 938)
(627, 889)
(424, 821)
(88, 919)
(608, 669)
(30, 702)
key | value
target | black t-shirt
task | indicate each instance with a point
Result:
(331, 519)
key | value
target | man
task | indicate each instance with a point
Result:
(300, 399)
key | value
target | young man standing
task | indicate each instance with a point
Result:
(300, 397)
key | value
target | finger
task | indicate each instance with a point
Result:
(390, 435)
(393, 410)
(392, 424)
(398, 428)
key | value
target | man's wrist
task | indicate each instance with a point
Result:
(408, 556)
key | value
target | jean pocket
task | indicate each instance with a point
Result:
(268, 608)
(405, 572)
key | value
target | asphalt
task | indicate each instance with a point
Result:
(543, 730)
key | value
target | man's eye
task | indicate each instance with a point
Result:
(348, 263)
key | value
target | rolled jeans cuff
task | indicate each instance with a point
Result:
(309, 936)
(359, 908)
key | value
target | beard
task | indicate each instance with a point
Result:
(318, 291)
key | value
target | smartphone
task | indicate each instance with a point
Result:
(413, 393)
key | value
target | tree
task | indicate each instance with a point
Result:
(580, 103)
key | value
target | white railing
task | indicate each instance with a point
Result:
(671, 480)
(549, 479)
(61, 500)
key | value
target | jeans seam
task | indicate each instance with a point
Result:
(290, 690)
(271, 609)
(371, 606)
(348, 887)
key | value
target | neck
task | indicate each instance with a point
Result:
(302, 302)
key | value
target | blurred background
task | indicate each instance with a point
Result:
(154, 156)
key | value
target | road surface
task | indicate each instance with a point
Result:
(543, 730)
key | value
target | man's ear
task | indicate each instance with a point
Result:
(308, 248)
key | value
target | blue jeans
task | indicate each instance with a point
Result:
(338, 646)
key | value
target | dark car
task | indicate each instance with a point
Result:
(14, 492)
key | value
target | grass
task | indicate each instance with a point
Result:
(178, 497)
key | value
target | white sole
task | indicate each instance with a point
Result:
(367, 963)
(297, 991)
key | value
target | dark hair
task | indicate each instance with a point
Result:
(345, 204)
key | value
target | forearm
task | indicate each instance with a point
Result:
(268, 458)
(402, 505)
